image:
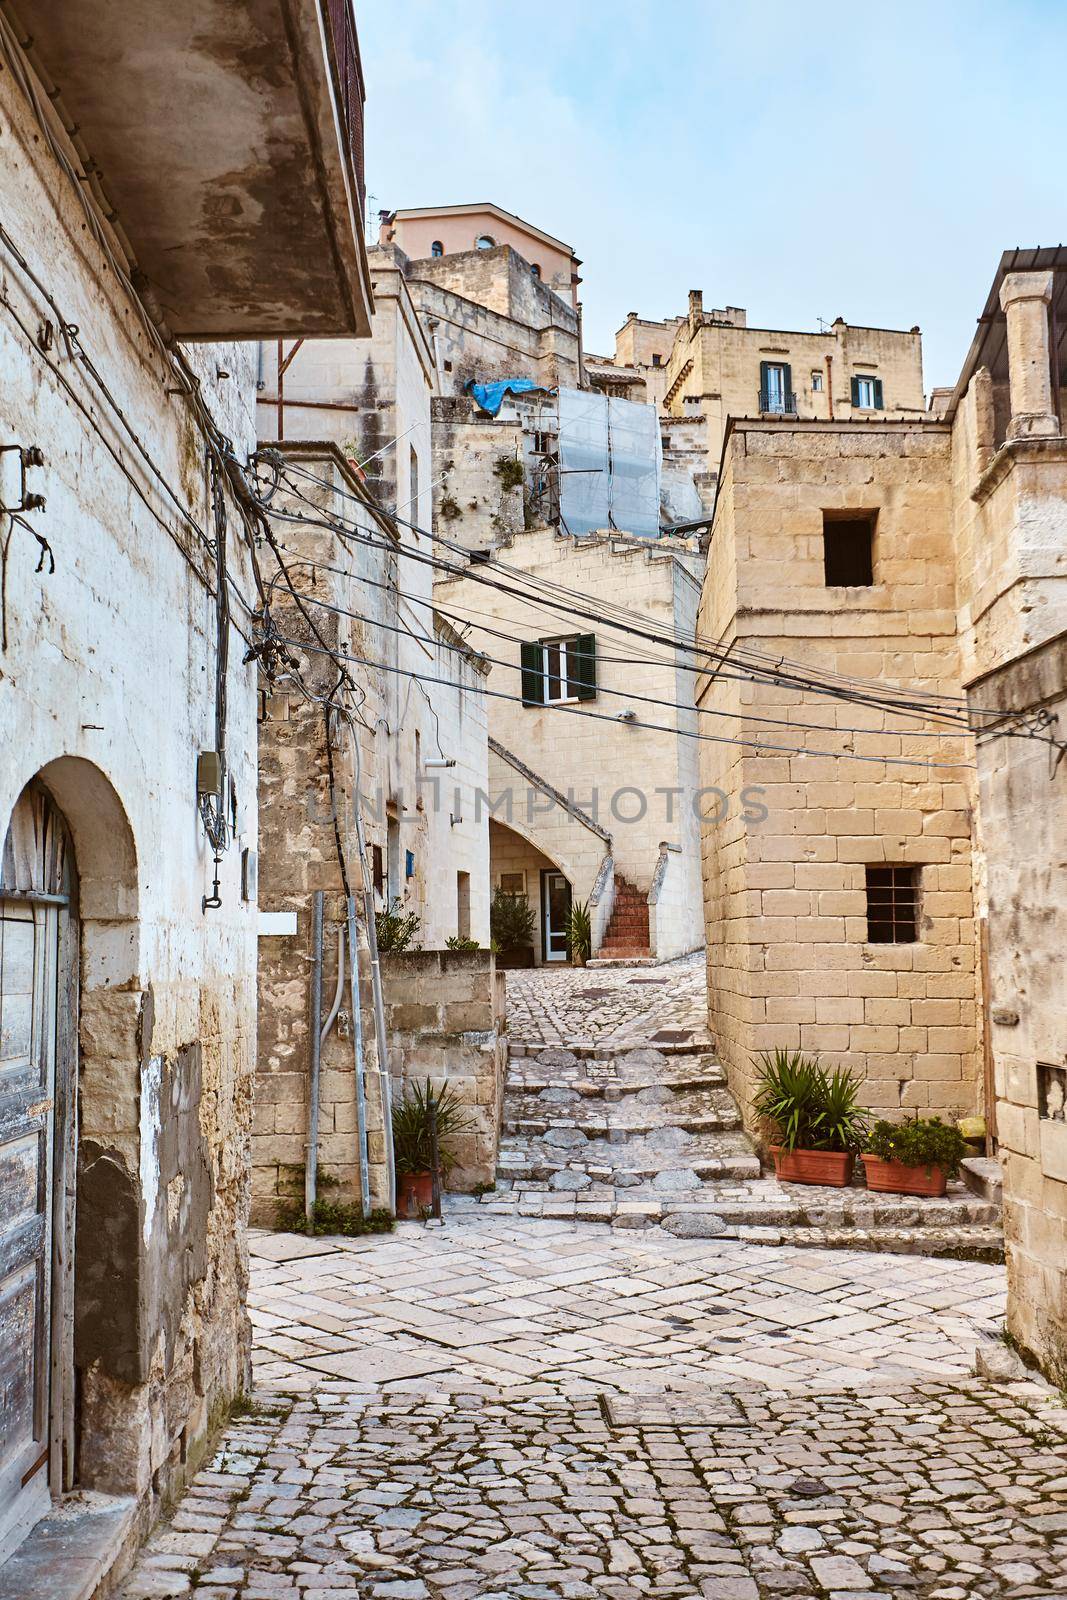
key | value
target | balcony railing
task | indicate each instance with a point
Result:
(777, 403)
(350, 75)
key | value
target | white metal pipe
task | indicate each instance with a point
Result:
(311, 1163)
(358, 1060)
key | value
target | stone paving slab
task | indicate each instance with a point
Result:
(613, 1005)
(607, 1445)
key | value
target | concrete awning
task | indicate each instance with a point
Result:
(228, 136)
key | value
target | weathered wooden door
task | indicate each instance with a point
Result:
(33, 1153)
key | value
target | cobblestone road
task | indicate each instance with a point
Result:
(548, 1411)
(608, 1005)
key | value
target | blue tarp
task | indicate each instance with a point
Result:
(490, 396)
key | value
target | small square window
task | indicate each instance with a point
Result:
(657, 360)
(892, 905)
(848, 550)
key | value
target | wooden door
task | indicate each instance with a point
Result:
(38, 1030)
(28, 960)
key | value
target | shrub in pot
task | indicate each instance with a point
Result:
(511, 923)
(413, 1123)
(915, 1157)
(814, 1117)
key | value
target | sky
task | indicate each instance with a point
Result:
(800, 160)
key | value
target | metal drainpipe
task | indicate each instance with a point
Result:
(385, 1082)
(358, 1060)
(311, 1164)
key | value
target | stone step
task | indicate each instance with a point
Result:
(526, 1092)
(983, 1176)
(705, 1158)
(945, 1230)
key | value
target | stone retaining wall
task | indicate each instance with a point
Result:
(445, 1016)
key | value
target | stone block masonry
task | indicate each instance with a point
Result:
(791, 959)
(444, 1012)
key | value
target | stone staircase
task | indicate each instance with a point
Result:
(639, 1136)
(626, 937)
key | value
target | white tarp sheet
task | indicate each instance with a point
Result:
(609, 452)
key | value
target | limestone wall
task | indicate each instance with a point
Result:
(1024, 824)
(107, 693)
(790, 963)
(714, 369)
(1010, 518)
(637, 782)
(445, 1019)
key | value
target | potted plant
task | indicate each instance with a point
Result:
(511, 923)
(914, 1157)
(413, 1153)
(580, 933)
(814, 1116)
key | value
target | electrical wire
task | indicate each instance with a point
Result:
(654, 727)
(350, 531)
(924, 700)
(621, 694)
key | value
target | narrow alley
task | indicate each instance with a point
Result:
(519, 1404)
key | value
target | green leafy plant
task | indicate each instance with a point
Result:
(511, 921)
(806, 1107)
(412, 1127)
(458, 943)
(920, 1142)
(580, 931)
(449, 508)
(330, 1216)
(395, 930)
(510, 471)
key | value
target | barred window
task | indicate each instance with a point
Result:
(892, 905)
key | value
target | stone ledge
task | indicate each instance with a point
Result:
(77, 1552)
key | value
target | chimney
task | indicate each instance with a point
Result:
(696, 309)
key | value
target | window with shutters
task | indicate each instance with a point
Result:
(867, 393)
(556, 670)
(892, 905)
(776, 397)
(848, 549)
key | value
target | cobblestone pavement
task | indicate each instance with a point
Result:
(608, 1005)
(548, 1411)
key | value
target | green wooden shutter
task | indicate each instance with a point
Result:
(878, 404)
(763, 384)
(787, 386)
(533, 678)
(581, 667)
(855, 391)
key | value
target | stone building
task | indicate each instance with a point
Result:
(1009, 488)
(432, 232)
(128, 718)
(592, 769)
(347, 429)
(831, 546)
(886, 589)
(709, 366)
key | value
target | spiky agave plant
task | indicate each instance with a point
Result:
(413, 1127)
(789, 1098)
(580, 931)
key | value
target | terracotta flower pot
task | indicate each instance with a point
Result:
(830, 1167)
(893, 1177)
(414, 1194)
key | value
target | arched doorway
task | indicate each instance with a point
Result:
(38, 1057)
